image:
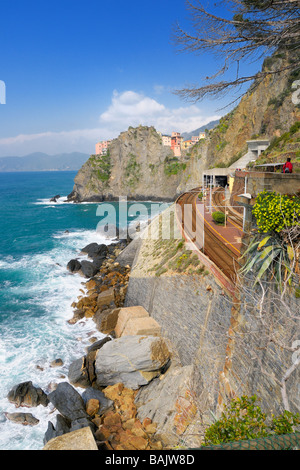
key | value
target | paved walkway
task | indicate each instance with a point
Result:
(230, 235)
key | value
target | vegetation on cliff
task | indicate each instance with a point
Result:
(102, 165)
(243, 419)
(283, 146)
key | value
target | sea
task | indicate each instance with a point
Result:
(37, 240)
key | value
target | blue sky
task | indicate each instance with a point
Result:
(81, 71)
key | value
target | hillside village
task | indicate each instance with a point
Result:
(175, 141)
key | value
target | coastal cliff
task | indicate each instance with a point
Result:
(137, 165)
(266, 111)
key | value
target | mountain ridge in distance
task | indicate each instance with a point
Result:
(210, 125)
(39, 161)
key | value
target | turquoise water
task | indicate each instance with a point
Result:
(36, 290)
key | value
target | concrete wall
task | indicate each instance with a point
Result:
(227, 344)
(256, 182)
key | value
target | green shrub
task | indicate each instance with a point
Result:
(274, 211)
(172, 166)
(102, 165)
(219, 217)
(243, 419)
(295, 127)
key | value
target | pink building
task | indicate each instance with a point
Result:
(177, 150)
(176, 140)
(101, 147)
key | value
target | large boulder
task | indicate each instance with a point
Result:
(62, 426)
(68, 402)
(93, 250)
(88, 269)
(82, 371)
(73, 266)
(98, 261)
(136, 321)
(127, 313)
(77, 373)
(131, 360)
(26, 394)
(81, 439)
(27, 419)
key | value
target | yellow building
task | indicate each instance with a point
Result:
(186, 144)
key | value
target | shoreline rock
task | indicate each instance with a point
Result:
(132, 360)
(26, 419)
(26, 394)
(115, 370)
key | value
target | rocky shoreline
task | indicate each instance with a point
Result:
(126, 376)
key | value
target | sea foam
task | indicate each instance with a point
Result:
(39, 332)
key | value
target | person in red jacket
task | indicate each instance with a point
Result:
(288, 166)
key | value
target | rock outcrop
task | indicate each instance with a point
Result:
(133, 360)
(27, 395)
(170, 402)
(135, 166)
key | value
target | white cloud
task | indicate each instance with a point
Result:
(131, 109)
(128, 108)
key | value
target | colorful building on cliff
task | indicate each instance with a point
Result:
(102, 147)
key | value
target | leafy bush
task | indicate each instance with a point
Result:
(102, 165)
(295, 127)
(172, 166)
(219, 217)
(275, 212)
(269, 256)
(243, 419)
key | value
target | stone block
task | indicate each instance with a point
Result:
(109, 321)
(81, 439)
(142, 326)
(128, 313)
(131, 360)
(106, 297)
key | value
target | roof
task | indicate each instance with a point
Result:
(270, 164)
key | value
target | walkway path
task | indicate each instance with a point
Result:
(222, 244)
